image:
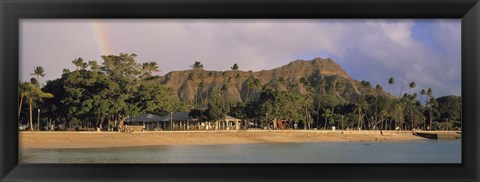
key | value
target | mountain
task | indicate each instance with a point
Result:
(299, 75)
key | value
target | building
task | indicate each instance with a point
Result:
(232, 123)
(144, 122)
(179, 121)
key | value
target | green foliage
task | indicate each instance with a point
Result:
(449, 108)
(148, 68)
(198, 114)
(197, 65)
(217, 107)
(38, 71)
(235, 67)
(155, 98)
(283, 105)
(121, 87)
(238, 111)
(114, 91)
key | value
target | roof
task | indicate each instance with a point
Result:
(227, 117)
(178, 116)
(145, 118)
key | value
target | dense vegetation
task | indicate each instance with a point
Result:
(95, 95)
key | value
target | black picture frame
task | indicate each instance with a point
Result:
(466, 10)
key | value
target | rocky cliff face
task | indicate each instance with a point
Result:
(195, 85)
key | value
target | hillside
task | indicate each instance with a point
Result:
(299, 75)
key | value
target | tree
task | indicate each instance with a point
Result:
(360, 106)
(53, 108)
(431, 104)
(397, 113)
(326, 114)
(321, 85)
(391, 81)
(366, 84)
(429, 92)
(23, 90)
(234, 67)
(148, 68)
(422, 92)
(156, 98)
(34, 92)
(217, 107)
(83, 65)
(197, 65)
(449, 108)
(124, 72)
(411, 85)
(410, 100)
(38, 71)
(333, 98)
(78, 62)
(378, 90)
(362, 103)
(94, 66)
(401, 89)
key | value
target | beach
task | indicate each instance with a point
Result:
(66, 140)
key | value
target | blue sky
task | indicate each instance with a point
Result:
(424, 51)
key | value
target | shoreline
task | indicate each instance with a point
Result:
(83, 140)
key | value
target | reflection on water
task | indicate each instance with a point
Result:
(421, 151)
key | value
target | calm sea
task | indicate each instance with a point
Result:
(421, 151)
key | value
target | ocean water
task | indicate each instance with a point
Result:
(420, 151)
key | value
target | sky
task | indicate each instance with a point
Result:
(427, 52)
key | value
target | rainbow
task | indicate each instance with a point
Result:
(101, 38)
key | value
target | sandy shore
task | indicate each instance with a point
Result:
(30, 140)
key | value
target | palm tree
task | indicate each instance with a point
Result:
(321, 85)
(365, 84)
(197, 65)
(401, 89)
(411, 104)
(397, 113)
(234, 67)
(38, 71)
(94, 65)
(410, 100)
(326, 114)
(411, 85)
(422, 92)
(83, 65)
(378, 89)
(23, 89)
(78, 62)
(430, 103)
(391, 81)
(361, 104)
(337, 86)
(32, 92)
(148, 68)
(429, 92)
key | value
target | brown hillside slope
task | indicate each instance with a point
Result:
(195, 85)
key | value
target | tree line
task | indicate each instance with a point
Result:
(96, 95)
